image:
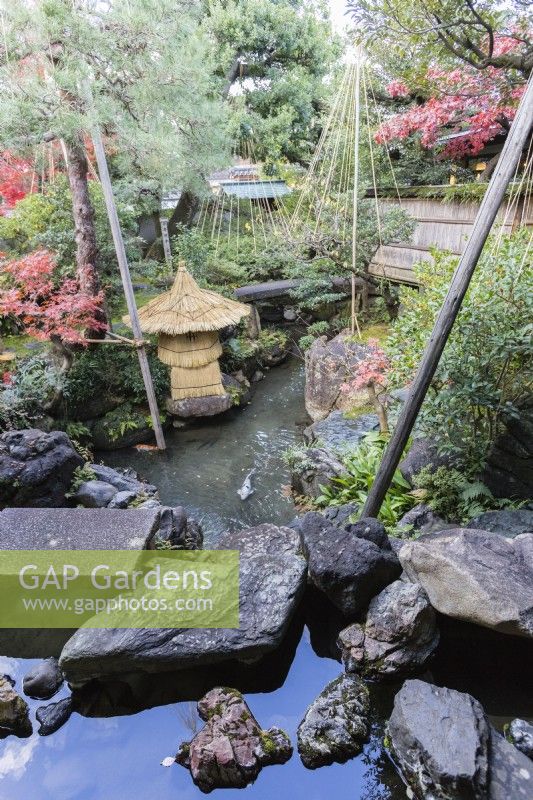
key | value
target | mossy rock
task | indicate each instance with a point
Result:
(123, 427)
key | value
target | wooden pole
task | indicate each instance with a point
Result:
(514, 144)
(355, 197)
(126, 283)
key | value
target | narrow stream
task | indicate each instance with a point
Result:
(117, 758)
(206, 464)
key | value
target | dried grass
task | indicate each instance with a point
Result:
(194, 350)
(187, 309)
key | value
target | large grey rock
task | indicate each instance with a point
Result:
(53, 716)
(272, 581)
(511, 772)
(124, 480)
(509, 471)
(439, 739)
(36, 468)
(14, 712)
(77, 528)
(521, 735)
(422, 453)
(335, 725)
(327, 366)
(508, 523)
(315, 471)
(476, 576)
(350, 565)
(94, 494)
(338, 433)
(398, 636)
(200, 406)
(43, 680)
(445, 748)
(232, 749)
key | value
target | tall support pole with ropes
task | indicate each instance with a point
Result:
(509, 159)
(127, 284)
(355, 322)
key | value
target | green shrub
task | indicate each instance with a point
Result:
(453, 496)
(361, 467)
(81, 475)
(485, 372)
(45, 220)
(314, 330)
(113, 370)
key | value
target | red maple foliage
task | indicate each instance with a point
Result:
(372, 370)
(45, 307)
(371, 374)
(472, 105)
(15, 180)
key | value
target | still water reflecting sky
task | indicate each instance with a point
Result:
(119, 757)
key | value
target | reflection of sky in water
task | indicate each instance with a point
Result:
(119, 758)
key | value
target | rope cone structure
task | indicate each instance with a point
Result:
(186, 320)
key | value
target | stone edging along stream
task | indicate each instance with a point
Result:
(386, 593)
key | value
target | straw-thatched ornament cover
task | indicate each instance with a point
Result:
(187, 309)
(187, 320)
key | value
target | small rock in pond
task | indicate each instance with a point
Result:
(53, 716)
(179, 531)
(335, 725)
(231, 750)
(94, 494)
(521, 735)
(122, 499)
(14, 711)
(398, 636)
(43, 680)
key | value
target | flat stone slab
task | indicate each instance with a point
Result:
(272, 581)
(77, 528)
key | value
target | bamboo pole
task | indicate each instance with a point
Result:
(127, 284)
(514, 144)
(355, 322)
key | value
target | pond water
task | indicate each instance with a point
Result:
(119, 757)
(205, 464)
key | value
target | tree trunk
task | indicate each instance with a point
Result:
(184, 212)
(85, 232)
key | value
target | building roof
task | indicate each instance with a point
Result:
(255, 190)
(186, 308)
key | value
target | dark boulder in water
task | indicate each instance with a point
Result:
(335, 725)
(53, 716)
(398, 636)
(272, 582)
(43, 680)
(349, 565)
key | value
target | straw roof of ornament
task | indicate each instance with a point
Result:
(187, 309)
